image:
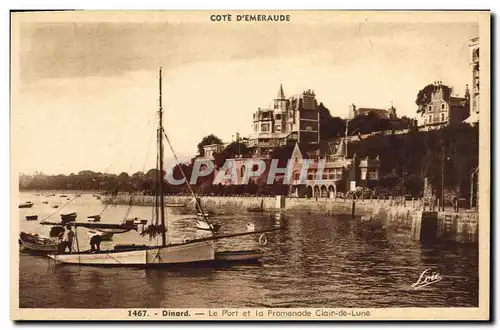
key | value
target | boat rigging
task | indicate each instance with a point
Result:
(189, 251)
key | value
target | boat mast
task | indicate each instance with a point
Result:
(160, 172)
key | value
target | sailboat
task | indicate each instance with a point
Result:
(164, 254)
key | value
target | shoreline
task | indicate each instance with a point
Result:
(411, 217)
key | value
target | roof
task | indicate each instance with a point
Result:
(281, 94)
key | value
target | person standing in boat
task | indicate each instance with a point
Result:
(68, 237)
(95, 243)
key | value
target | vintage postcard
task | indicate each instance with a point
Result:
(250, 165)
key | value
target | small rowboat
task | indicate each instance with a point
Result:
(37, 243)
(25, 205)
(69, 217)
(203, 225)
(202, 214)
(63, 196)
(94, 218)
(32, 217)
(244, 255)
(55, 206)
(45, 202)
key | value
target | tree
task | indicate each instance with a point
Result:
(424, 96)
(329, 127)
(233, 149)
(207, 140)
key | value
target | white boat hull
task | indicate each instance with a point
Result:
(202, 225)
(175, 254)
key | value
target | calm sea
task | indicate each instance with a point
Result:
(314, 261)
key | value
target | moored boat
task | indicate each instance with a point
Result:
(32, 217)
(203, 225)
(69, 217)
(143, 256)
(94, 218)
(165, 253)
(37, 243)
(25, 205)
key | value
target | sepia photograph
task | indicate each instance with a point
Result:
(250, 165)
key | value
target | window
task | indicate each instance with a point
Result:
(278, 116)
(296, 176)
(442, 117)
(430, 119)
(442, 106)
(364, 170)
(278, 128)
(337, 174)
(373, 174)
(430, 107)
(264, 127)
(255, 127)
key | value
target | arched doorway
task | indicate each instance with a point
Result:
(324, 191)
(316, 192)
(309, 192)
(333, 189)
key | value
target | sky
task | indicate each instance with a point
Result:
(86, 91)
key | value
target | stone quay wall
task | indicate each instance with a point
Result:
(408, 216)
(237, 204)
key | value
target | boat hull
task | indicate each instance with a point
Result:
(37, 243)
(38, 247)
(173, 254)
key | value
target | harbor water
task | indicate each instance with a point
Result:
(313, 261)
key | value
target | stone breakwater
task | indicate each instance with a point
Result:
(410, 218)
(238, 204)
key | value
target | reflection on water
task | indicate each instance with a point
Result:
(314, 261)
